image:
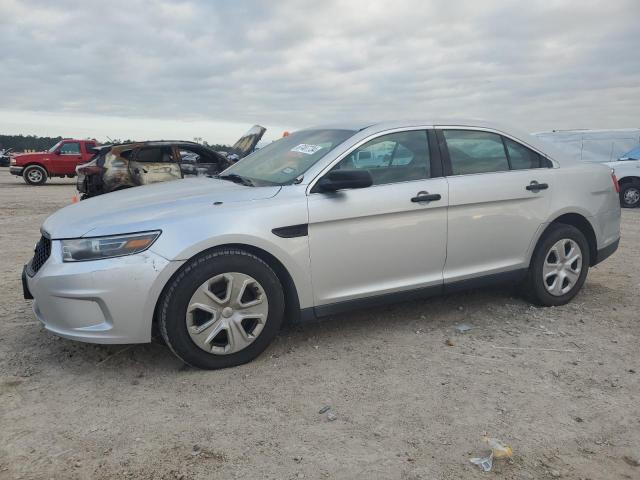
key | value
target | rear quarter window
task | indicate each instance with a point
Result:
(523, 158)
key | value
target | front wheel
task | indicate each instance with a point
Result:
(630, 195)
(222, 309)
(558, 267)
(34, 175)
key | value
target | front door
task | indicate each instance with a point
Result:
(499, 198)
(154, 164)
(387, 238)
(69, 157)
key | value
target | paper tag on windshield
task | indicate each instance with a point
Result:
(306, 149)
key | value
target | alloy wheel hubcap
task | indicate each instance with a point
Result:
(562, 267)
(227, 313)
(35, 175)
(631, 196)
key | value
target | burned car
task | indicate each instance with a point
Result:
(126, 165)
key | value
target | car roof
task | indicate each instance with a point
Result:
(520, 135)
(155, 143)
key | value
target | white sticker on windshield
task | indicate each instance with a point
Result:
(307, 149)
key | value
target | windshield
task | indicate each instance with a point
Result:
(633, 154)
(282, 161)
(55, 147)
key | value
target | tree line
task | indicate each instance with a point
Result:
(21, 143)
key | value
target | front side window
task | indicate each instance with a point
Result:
(284, 160)
(472, 151)
(392, 158)
(71, 148)
(521, 157)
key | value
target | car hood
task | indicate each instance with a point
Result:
(148, 207)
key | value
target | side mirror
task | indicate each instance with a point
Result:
(344, 179)
(57, 152)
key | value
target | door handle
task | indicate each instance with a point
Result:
(536, 187)
(426, 197)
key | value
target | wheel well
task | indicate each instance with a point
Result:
(582, 224)
(625, 180)
(291, 299)
(37, 165)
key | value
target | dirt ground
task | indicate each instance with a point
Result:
(560, 385)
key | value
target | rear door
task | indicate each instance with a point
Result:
(70, 156)
(499, 197)
(381, 239)
(154, 164)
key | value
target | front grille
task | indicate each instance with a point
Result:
(41, 254)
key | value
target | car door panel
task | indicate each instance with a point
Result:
(68, 158)
(375, 240)
(493, 217)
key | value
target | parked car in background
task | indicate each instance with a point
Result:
(116, 167)
(611, 147)
(302, 229)
(627, 169)
(60, 160)
(4, 157)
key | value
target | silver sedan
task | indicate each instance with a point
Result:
(322, 221)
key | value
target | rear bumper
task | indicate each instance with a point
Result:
(16, 170)
(606, 252)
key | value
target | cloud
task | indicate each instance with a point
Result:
(540, 64)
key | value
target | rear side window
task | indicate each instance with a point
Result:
(155, 155)
(71, 148)
(473, 151)
(521, 157)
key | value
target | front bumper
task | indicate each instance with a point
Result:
(102, 301)
(16, 170)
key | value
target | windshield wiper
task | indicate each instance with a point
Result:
(234, 177)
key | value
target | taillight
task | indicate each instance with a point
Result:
(616, 185)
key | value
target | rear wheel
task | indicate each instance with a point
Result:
(34, 175)
(630, 195)
(222, 309)
(558, 267)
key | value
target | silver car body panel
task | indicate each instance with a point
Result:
(360, 243)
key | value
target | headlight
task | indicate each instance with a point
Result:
(80, 249)
(12, 161)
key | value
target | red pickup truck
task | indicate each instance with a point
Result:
(60, 160)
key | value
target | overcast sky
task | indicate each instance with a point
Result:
(164, 69)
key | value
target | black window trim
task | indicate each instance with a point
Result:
(545, 162)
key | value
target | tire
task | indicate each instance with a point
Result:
(630, 195)
(34, 175)
(221, 281)
(542, 286)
